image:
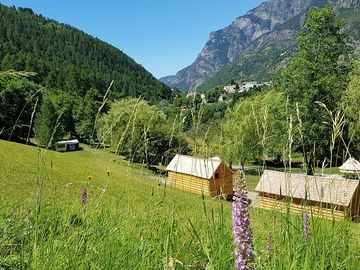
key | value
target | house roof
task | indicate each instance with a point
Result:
(328, 189)
(203, 168)
(350, 166)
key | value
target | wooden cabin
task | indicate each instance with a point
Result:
(210, 177)
(326, 196)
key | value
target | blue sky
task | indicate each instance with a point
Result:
(164, 36)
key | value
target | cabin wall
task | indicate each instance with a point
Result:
(222, 183)
(189, 183)
(271, 203)
(355, 204)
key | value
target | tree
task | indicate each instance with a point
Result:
(85, 113)
(45, 123)
(253, 129)
(350, 105)
(55, 118)
(213, 94)
(17, 101)
(139, 131)
(317, 73)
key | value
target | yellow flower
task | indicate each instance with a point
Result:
(108, 172)
(89, 177)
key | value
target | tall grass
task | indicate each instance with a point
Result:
(142, 226)
(130, 222)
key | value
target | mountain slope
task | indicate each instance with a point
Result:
(254, 46)
(269, 53)
(69, 59)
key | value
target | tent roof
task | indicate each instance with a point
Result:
(203, 168)
(350, 166)
(332, 189)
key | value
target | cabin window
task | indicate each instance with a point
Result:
(216, 175)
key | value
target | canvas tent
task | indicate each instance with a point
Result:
(350, 166)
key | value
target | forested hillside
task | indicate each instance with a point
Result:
(54, 79)
(71, 60)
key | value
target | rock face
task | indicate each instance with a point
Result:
(273, 22)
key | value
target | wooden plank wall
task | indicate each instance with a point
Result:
(189, 183)
(355, 204)
(223, 184)
(271, 204)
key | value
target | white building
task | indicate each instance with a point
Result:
(230, 89)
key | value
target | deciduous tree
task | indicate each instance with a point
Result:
(317, 73)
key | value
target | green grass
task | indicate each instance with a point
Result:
(131, 222)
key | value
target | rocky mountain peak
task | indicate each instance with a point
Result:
(227, 44)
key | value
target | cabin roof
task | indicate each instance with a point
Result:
(75, 141)
(328, 189)
(203, 168)
(350, 166)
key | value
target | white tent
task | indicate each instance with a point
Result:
(350, 166)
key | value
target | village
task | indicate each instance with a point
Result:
(228, 90)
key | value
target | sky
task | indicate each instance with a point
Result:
(163, 36)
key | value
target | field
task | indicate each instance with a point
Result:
(132, 222)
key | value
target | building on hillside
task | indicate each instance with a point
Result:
(327, 196)
(210, 177)
(222, 98)
(230, 89)
(69, 145)
(246, 86)
(351, 166)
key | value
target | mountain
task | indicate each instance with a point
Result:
(68, 59)
(253, 47)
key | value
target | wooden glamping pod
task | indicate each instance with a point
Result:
(210, 177)
(327, 196)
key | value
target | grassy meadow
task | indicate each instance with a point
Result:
(132, 222)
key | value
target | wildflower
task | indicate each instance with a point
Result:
(243, 240)
(89, 177)
(306, 226)
(108, 172)
(84, 196)
(270, 245)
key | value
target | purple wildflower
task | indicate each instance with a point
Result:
(270, 245)
(84, 196)
(306, 226)
(242, 231)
